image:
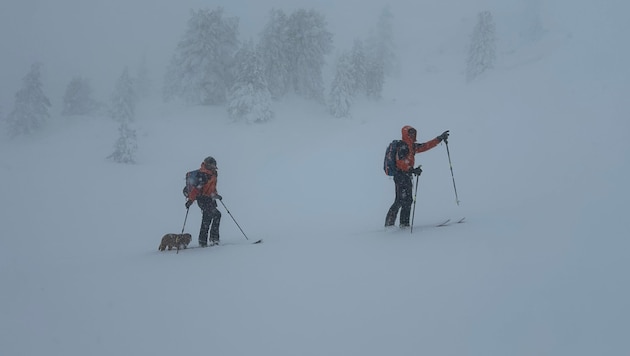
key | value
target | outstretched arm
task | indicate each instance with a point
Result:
(425, 146)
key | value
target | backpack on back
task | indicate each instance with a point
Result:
(195, 180)
(389, 163)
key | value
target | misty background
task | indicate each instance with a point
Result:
(97, 39)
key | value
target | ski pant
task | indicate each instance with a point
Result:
(403, 200)
(210, 219)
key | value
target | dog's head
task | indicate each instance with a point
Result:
(184, 239)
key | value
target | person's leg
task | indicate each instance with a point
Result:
(206, 220)
(214, 228)
(406, 199)
(390, 219)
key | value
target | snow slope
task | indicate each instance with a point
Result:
(540, 267)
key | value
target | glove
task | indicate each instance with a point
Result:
(188, 203)
(417, 171)
(443, 136)
(217, 196)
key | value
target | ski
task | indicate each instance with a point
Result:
(448, 222)
(444, 223)
(224, 244)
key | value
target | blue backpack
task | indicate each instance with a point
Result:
(194, 180)
(389, 164)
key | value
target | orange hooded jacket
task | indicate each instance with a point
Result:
(406, 162)
(210, 188)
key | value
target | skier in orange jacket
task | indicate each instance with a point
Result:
(405, 160)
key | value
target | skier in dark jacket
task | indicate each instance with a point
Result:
(206, 195)
(405, 159)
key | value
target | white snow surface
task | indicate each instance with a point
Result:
(541, 161)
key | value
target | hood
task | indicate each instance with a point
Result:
(206, 170)
(409, 134)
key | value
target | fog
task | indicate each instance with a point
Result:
(539, 152)
(97, 39)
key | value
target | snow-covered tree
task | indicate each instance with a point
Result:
(78, 98)
(534, 24)
(273, 48)
(482, 51)
(249, 99)
(126, 145)
(374, 78)
(122, 109)
(359, 64)
(123, 100)
(200, 70)
(142, 79)
(343, 87)
(31, 106)
(309, 43)
(381, 43)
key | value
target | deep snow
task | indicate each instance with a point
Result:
(541, 163)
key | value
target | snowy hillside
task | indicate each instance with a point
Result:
(540, 159)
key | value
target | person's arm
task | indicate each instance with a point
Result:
(425, 146)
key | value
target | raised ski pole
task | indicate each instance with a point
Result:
(228, 211)
(413, 214)
(452, 176)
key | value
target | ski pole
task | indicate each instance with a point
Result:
(228, 211)
(413, 214)
(185, 218)
(452, 176)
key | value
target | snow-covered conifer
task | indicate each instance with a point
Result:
(343, 87)
(383, 47)
(126, 145)
(374, 78)
(31, 106)
(200, 70)
(249, 99)
(359, 64)
(482, 50)
(78, 98)
(123, 100)
(534, 30)
(273, 49)
(123, 110)
(309, 43)
(142, 79)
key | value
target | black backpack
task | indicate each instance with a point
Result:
(389, 164)
(195, 180)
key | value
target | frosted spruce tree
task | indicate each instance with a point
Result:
(382, 48)
(122, 109)
(343, 87)
(534, 30)
(123, 100)
(249, 99)
(359, 64)
(374, 78)
(308, 43)
(482, 50)
(142, 79)
(200, 70)
(126, 145)
(274, 48)
(31, 106)
(77, 99)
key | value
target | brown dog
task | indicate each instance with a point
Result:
(177, 241)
